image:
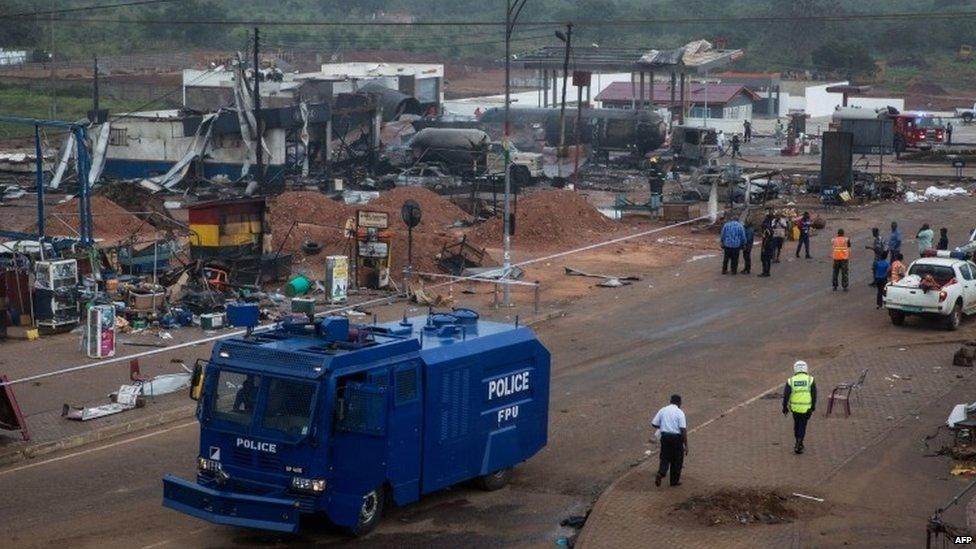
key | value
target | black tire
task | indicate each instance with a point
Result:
(954, 319)
(897, 317)
(370, 513)
(495, 481)
(520, 175)
(967, 118)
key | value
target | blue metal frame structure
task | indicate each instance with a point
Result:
(80, 132)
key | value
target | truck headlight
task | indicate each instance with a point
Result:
(208, 465)
(313, 485)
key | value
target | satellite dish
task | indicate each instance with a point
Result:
(410, 212)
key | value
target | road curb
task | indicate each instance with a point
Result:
(545, 318)
(98, 435)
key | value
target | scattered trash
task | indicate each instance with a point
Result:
(700, 257)
(964, 470)
(804, 496)
(127, 398)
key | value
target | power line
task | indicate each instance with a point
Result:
(860, 17)
(88, 8)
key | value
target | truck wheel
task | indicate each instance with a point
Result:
(967, 118)
(897, 317)
(520, 175)
(954, 319)
(370, 512)
(495, 481)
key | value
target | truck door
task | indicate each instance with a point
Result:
(968, 287)
(405, 433)
(359, 442)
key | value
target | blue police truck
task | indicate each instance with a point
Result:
(338, 419)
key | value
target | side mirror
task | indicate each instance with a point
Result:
(196, 381)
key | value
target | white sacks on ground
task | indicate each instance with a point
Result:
(935, 193)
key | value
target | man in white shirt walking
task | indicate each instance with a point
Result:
(670, 420)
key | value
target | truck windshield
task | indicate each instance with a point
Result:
(289, 407)
(235, 397)
(929, 122)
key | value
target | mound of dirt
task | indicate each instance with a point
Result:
(315, 217)
(437, 213)
(741, 507)
(111, 223)
(322, 220)
(549, 220)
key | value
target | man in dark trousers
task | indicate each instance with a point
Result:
(747, 248)
(732, 238)
(670, 420)
(800, 397)
(736, 143)
(746, 131)
(768, 247)
(948, 133)
(804, 242)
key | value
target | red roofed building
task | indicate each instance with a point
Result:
(732, 102)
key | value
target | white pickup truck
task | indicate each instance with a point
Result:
(966, 113)
(934, 286)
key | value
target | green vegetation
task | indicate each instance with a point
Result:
(838, 47)
(71, 104)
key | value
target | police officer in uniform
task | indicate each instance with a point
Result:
(800, 397)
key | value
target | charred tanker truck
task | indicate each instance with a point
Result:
(339, 420)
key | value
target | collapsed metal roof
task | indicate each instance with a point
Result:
(697, 56)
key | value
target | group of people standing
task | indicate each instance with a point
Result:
(738, 238)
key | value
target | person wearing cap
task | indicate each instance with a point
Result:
(670, 421)
(800, 398)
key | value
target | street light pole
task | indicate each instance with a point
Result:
(568, 39)
(511, 15)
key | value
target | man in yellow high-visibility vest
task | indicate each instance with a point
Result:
(800, 397)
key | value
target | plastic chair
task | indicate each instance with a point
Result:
(844, 391)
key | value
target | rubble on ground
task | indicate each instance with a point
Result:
(742, 506)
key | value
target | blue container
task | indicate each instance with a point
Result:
(242, 315)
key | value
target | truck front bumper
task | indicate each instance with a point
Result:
(230, 508)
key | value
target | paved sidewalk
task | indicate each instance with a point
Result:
(752, 447)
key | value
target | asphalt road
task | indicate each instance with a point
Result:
(617, 356)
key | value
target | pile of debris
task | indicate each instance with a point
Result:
(111, 223)
(549, 219)
(740, 506)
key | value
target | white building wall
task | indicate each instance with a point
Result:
(162, 140)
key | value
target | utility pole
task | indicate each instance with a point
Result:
(568, 39)
(512, 12)
(95, 91)
(258, 127)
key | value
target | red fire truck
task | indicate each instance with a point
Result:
(917, 131)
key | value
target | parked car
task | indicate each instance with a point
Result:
(431, 176)
(936, 287)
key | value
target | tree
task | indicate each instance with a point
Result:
(847, 57)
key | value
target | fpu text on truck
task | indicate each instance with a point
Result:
(324, 417)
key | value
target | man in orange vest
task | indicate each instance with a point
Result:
(841, 246)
